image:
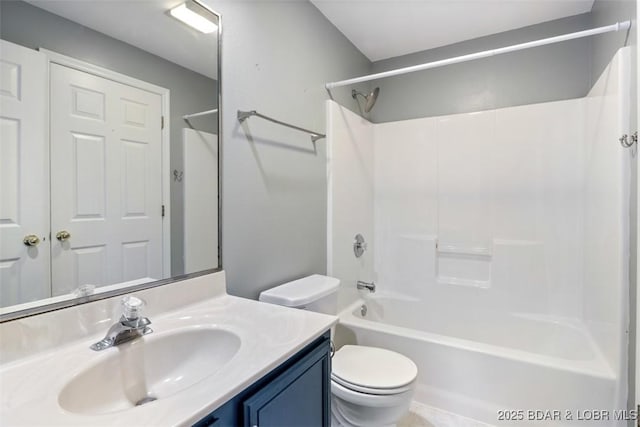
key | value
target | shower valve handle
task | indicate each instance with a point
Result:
(359, 245)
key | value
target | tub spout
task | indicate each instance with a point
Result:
(371, 287)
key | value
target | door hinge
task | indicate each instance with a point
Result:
(163, 211)
(161, 122)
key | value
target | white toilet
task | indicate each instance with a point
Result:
(370, 386)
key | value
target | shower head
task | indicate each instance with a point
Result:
(370, 100)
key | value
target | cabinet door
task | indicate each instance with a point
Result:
(299, 397)
(225, 416)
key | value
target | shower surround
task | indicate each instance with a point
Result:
(498, 243)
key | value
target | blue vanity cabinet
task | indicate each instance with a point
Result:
(298, 397)
(295, 394)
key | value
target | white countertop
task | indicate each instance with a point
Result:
(30, 384)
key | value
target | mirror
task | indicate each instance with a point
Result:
(108, 149)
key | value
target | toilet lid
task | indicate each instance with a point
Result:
(372, 368)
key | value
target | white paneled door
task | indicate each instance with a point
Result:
(106, 186)
(24, 213)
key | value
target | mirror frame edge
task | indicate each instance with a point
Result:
(46, 308)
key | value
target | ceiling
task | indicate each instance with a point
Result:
(161, 35)
(378, 28)
(384, 29)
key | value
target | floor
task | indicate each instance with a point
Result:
(425, 416)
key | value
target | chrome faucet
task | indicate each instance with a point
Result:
(371, 287)
(130, 326)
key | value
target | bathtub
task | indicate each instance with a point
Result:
(499, 368)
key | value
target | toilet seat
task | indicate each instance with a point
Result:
(372, 400)
(372, 370)
(370, 390)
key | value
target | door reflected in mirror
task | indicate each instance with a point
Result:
(108, 148)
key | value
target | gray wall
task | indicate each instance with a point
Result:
(547, 73)
(190, 92)
(276, 58)
(605, 12)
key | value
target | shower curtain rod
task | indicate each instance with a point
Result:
(487, 53)
(244, 115)
(203, 113)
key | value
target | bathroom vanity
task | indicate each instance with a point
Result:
(297, 393)
(211, 360)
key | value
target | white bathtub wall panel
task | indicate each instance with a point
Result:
(405, 210)
(606, 206)
(537, 170)
(350, 198)
(466, 158)
(538, 191)
(520, 277)
(464, 269)
(408, 265)
(523, 177)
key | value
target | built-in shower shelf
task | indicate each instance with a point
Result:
(444, 280)
(464, 250)
(468, 266)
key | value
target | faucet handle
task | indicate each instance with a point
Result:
(132, 307)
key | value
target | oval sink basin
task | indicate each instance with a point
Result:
(149, 368)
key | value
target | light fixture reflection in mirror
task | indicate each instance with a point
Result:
(117, 220)
(195, 16)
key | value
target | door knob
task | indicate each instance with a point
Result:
(31, 240)
(63, 235)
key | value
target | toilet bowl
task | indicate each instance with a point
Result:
(370, 386)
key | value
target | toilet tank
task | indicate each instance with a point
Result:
(314, 293)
